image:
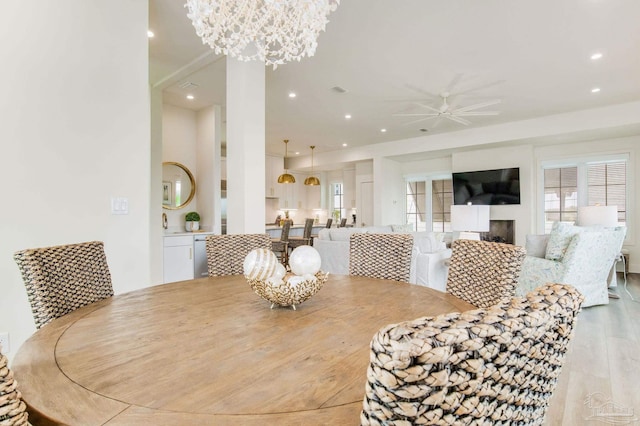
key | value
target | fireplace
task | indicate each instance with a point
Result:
(500, 231)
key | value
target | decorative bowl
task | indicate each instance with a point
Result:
(286, 294)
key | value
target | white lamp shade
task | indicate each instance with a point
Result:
(606, 216)
(474, 218)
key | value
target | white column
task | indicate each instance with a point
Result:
(245, 147)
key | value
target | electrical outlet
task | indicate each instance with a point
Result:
(4, 342)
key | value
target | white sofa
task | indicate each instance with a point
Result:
(427, 256)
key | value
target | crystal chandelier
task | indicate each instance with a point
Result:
(273, 31)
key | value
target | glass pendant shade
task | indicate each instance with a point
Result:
(312, 180)
(286, 177)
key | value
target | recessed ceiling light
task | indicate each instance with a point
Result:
(595, 90)
(292, 94)
(191, 97)
(596, 56)
(150, 34)
(383, 130)
(344, 144)
(347, 116)
(297, 152)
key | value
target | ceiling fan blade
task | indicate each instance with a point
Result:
(435, 123)
(476, 88)
(454, 82)
(422, 91)
(429, 107)
(419, 120)
(458, 119)
(476, 106)
(466, 113)
(415, 114)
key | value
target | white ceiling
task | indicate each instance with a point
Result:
(389, 54)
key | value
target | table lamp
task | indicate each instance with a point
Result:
(470, 220)
(606, 216)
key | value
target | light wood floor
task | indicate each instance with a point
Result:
(604, 357)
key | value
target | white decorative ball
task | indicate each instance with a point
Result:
(305, 260)
(274, 281)
(309, 277)
(280, 271)
(260, 264)
(294, 280)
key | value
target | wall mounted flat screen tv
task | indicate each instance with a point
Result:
(492, 187)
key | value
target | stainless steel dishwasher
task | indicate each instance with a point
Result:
(200, 258)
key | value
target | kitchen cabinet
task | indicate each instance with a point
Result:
(293, 196)
(185, 256)
(314, 197)
(178, 259)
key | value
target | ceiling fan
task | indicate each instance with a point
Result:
(453, 113)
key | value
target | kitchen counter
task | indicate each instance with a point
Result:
(169, 233)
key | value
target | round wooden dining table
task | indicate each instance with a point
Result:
(210, 351)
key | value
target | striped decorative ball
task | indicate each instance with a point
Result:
(259, 264)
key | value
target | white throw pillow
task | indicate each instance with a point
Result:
(559, 239)
(536, 245)
(408, 227)
(379, 229)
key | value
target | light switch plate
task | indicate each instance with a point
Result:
(119, 205)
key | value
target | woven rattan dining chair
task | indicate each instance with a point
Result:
(64, 278)
(305, 239)
(482, 272)
(226, 253)
(343, 222)
(498, 365)
(386, 256)
(281, 246)
(13, 410)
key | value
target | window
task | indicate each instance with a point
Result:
(586, 183)
(607, 186)
(338, 202)
(416, 205)
(430, 196)
(441, 200)
(560, 196)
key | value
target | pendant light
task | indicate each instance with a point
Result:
(286, 177)
(312, 180)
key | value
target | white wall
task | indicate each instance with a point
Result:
(389, 192)
(179, 144)
(208, 168)
(498, 158)
(75, 132)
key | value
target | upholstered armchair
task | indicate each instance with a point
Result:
(579, 256)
